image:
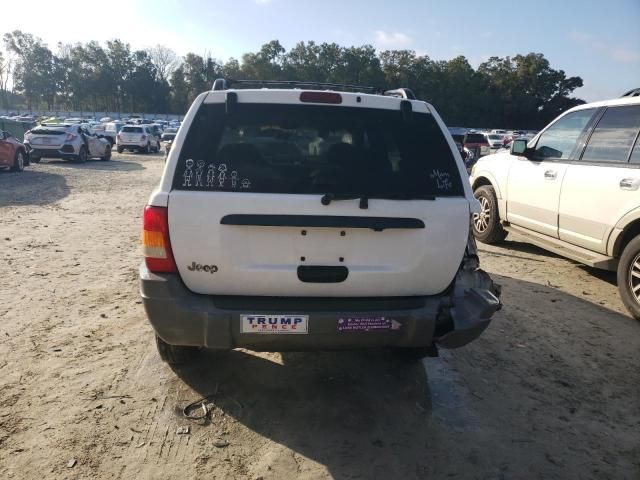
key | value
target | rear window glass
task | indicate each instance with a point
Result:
(132, 129)
(49, 131)
(614, 135)
(306, 149)
(475, 138)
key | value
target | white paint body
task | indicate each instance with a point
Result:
(580, 203)
(254, 260)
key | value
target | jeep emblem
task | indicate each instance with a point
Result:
(202, 268)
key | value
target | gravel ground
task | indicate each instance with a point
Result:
(551, 390)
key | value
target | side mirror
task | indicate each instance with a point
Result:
(519, 147)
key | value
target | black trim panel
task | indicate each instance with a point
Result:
(328, 221)
(322, 274)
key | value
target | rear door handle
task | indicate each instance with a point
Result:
(629, 184)
(550, 175)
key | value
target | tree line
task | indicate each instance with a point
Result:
(522, 91)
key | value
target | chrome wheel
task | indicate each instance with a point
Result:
(481, 220)
(634, 278)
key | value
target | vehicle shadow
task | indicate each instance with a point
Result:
(604, 275)
(113, 165)
(349, 411)
(508, 247)
(369, 415)
(31, 187)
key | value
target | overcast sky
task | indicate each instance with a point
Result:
(598, 40)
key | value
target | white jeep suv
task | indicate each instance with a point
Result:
(299, 218)
(573, 189)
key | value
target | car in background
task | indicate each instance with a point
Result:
(573, 190)
(167, 138)
(140, 138)
(477, 143)
(495, 140)
(13, 153)
(75, 142)
(111, 130)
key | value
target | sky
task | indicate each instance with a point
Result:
(598, 40)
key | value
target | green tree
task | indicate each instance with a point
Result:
(33, 69)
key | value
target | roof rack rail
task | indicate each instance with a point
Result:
(224, 84)
(405, 93)
(632, 93)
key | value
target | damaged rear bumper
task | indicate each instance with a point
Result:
(450, 320)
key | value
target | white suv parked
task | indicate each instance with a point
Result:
(573, 189)
(141, 138)
(291, 219)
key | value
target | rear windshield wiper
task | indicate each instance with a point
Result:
(364, 198)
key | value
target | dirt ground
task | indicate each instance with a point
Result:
(551, 390)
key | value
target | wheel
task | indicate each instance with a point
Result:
(629, 277)
(34, 159)
(107, 153)
(82, 155)
(158, 147)
(18, 162)
(176, 354)
(146, 148)
(27, 159)
(120, 149)
(486, 224)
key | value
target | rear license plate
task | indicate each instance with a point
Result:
(271, 324)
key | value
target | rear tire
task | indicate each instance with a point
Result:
(120, 149)
(18, 162)
(176, 354)
(34, 159)
(145, 149)
(486, 224)
(629, 277)
(82, 154)
(107, 154)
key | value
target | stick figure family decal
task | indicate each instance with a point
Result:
(215, 174)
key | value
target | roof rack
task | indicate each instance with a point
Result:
(224, 84)
(632, 93)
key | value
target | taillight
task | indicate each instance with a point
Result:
(143, 137)
(320, 97)
(156, 246)
(70, 136)
(118, 137)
